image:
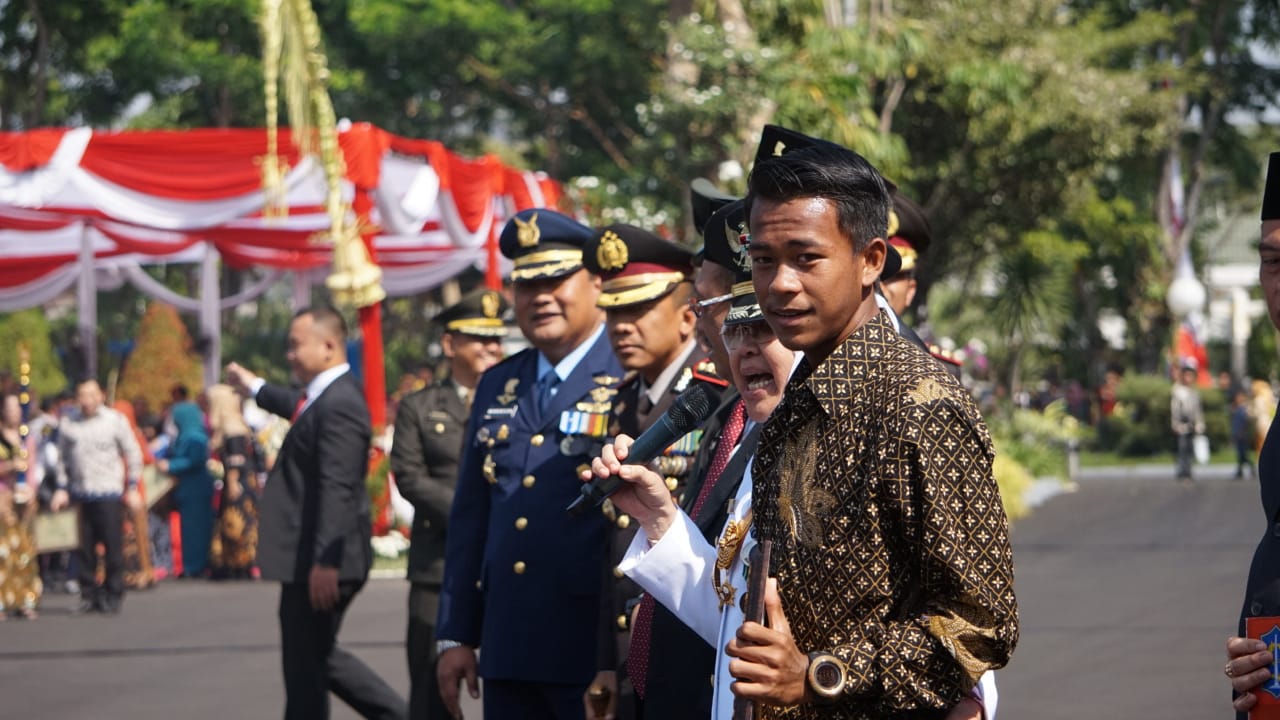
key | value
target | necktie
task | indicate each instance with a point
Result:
(638, 653)
(297, 409)
(546, 386)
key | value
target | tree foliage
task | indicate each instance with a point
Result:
(29, 329)
(161, 358)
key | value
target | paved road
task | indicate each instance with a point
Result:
(1128, 588)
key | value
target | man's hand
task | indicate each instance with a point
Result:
(133, 499)
(162, 465)
(1248, 666)
(767, 665)
(452, 667)
(606, 684)
(59, 500)
(239, 378)
(323, 586)
(644, 497)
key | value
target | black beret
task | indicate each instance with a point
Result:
(1271, 194)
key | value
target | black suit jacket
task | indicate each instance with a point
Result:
(424, 460)
(681, 663)
(315, 508)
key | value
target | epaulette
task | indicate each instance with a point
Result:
(945, 356)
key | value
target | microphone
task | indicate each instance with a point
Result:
(690, 408)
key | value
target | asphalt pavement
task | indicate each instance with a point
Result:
(1128, 587)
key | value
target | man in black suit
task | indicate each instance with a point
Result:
(424, 463)
(314, 519)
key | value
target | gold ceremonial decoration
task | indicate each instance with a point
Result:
(528, 234)
(508, 395)
(779, 148)
(612, 253)
(489, 305)
(293, 53)
(894, 223)
(735, 532)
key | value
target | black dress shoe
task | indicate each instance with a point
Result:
(111, 606)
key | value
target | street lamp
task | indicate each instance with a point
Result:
(1186, 295)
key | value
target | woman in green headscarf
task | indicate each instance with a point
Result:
(188, 463)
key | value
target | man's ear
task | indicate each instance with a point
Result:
(446, 345)
(873, 256)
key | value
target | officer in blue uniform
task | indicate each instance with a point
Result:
(522, 577)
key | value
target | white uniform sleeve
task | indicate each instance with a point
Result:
(677, 572)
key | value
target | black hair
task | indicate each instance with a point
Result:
(833, 173)
(328, 317)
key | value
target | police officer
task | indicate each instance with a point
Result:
(424, 462)
(910, 235)
(645, 296)
(521, 577)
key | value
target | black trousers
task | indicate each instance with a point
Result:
(315, 665)
(508, 699)
(101, 521)
(420, 644)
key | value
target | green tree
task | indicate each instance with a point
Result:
(161, 358)
(29, 329)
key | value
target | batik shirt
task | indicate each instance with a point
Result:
(891, 548)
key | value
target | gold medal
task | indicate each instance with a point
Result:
(735, 532)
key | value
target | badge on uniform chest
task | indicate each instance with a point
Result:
(578, 422)
(506, 402)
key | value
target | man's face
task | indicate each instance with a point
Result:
(648, 336)
(470, 355)
(813, 288)
(900, 291)
(712, 281)
(557, 314)
(1269, 268)
(760, 366)
(309, 350)
(89, 398)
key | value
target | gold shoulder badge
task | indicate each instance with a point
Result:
(929, 390)
(508, 395)
(894, 223)
(527, 233)
(612, 253)
(489, 305)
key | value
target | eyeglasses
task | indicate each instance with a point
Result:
(699, 307)
(756, 333)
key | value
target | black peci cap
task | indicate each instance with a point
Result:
(1271, 194)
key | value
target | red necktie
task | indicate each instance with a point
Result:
(297, 409)
(638, 653)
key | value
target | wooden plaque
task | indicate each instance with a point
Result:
(55, 532)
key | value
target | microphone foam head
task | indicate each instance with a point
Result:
(694, 405)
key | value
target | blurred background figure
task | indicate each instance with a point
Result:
(188, 463)
(235, 537)
(1262, 407)
(1242, 433)
(138, 569)
(20, 585)
(1187, 417)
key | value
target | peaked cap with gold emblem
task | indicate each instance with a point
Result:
(1271, 195)
(776, 141)
(478, 313)
(725, 245)
(543, 244)
(909, 233)
(636, 265)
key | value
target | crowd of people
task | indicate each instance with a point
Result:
(172, 496)
(828, 542)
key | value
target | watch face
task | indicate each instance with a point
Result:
(827, 675)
